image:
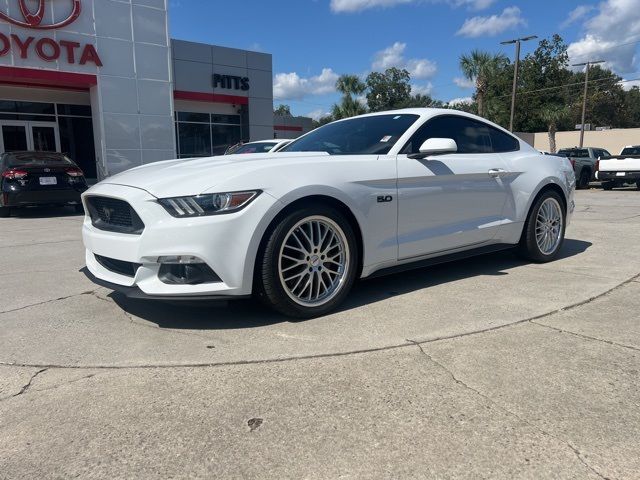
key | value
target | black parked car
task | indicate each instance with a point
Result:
(38, 179)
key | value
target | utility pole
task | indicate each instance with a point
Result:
(517, 41)
(584, 99)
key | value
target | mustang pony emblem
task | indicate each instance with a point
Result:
(34, 20)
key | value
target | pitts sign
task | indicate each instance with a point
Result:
(46, 48)
(231, 82)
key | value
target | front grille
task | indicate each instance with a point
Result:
(114, 215)
(128, 269)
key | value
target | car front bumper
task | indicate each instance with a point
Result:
(227, 244)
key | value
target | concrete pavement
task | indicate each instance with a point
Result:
(487, 368)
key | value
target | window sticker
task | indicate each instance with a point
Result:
(386, 139)
(397, 117)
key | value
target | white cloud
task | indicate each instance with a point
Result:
(493, 25)
(464, 82)
(393, 56)
(576, 14)
(291, 86)
(351, 6)
(628, 85)
(422, 89)
(616, 23)
(461, 100)
(317, 114)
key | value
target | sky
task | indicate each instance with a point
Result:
(315, 41)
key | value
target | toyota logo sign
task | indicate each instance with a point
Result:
(34, 20)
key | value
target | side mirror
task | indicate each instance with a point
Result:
(435, 146)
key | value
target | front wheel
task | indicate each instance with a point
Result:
(608, 185)
(309, 263)
(5, 212)
(544, 229)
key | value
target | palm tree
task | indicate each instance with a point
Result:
(552, 115)
(478, 67)
(351, 87)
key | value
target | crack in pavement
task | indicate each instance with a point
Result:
(586, 337)
(27, 386)
(504, 409)
(41, 243)
(319, 355)
(53, 300)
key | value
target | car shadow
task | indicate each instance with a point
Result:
(44, 212)
(251, 314)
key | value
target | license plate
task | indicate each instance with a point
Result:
(48, 181)
(620, 174)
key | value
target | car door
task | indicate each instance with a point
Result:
(450, 201)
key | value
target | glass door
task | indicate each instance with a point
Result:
(44, 137)
(21, 136)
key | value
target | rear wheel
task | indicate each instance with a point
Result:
(544, 230)
(607, 185)
(78, 208)
(309, 263)
(638, 184)
(585, 178)
(5, 212)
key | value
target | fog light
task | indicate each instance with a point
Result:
(186, 272)
(179, 260)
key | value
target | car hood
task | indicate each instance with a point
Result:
(175, 178)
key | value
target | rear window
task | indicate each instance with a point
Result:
(36, 159)
(631, 151)
(575, 152)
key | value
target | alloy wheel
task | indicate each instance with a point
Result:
(314, 260)
(549, 224)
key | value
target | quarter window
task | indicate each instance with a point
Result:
(470, 135)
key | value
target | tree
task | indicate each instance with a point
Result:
(283, 110)
(552, 115)
(389, 90)
(351, 87)
(479, 67)
(420, 100)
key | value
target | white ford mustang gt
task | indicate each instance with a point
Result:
(367, 195)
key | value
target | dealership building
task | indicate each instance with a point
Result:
(103, 81)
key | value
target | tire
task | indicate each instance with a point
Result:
(638, 184)
(79, 208)
(5, 212)
(548, 203)
(584, 179)
(293, 237)
(607, 185)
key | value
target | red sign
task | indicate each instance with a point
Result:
(34, 20)
(47, 49)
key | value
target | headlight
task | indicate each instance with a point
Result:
(208, 203)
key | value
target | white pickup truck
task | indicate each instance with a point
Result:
(620, 170)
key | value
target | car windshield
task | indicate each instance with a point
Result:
(36, 159)
(575, 152)
(631, 151)
(357, 136)
(258, 147)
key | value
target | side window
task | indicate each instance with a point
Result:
(502, 142)
(470, 135)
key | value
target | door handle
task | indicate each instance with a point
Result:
(498, 172)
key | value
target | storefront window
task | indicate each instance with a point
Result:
(204, 134)
(194, 139)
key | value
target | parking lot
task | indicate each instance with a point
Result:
(485, 368)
